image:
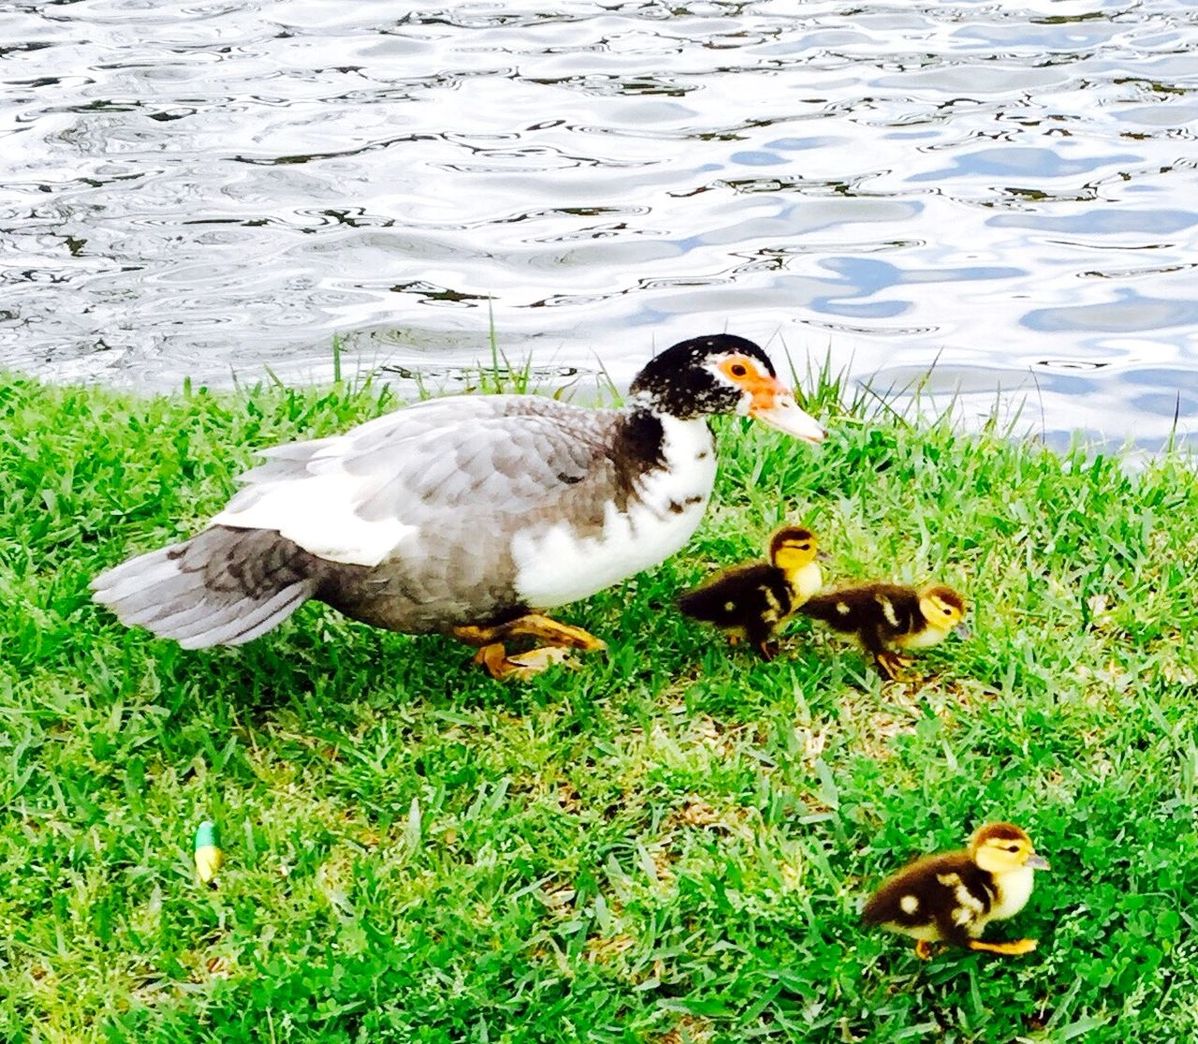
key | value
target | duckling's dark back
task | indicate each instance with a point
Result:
(932, 882)
(729, 599)
(850, 609)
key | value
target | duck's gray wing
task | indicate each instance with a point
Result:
(437, 470)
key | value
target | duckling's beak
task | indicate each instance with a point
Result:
(1037, 862)
(962, 631)
(772, 403)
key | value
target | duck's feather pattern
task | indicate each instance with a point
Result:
(945, 897)
(440, 467)
(455, 511)
(889, 609)
(751, 599)
(222, 587)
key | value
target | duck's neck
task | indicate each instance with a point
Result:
(660, 457)
(925, 637)
(649, 438)
(1013, 889)
(640, 439)
(934, 633)
(804, 580)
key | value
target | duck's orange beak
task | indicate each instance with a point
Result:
(767, 399)
(772, 403)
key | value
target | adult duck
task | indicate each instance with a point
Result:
(466, 515)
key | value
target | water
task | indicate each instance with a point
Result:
(1005, 190)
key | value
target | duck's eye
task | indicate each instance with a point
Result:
(1012, 848)
(804, 547)
(948, 612)
(738, 369)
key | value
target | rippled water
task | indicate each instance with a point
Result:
(1007, 190)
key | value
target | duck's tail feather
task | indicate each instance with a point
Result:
(695, 603)
(224, 586)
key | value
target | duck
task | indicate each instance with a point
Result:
(951, 897)
(752, 601)
(469, 515)
(886, 617)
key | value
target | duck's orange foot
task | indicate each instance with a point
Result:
(553, 633)
(536, 626)
(559, 639)
(521, 666)
(924, 950)
(1011, 949)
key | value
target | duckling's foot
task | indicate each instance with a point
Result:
(533, 625)
(768, 650)
(521, 666)
(890, 664)
(924, 950)
(1011, 949)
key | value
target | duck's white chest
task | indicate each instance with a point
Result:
(1014, 890)
(807, 582)
(924, 639)
(557, 565)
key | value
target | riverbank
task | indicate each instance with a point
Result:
(669, 844)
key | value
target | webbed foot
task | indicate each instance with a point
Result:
(890, 665)
(1011, 949)
(532, 625)
(520, 666)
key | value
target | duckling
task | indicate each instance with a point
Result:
(885, 615)
(753, 601)
(951, 897)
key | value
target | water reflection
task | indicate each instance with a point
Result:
(219, 187)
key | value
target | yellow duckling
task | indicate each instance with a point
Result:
(951, 897)
(752, 601)
(884, 616)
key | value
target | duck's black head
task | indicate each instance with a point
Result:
(721, 373)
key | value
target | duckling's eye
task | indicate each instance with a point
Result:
(1012, 848)
(738, 369)
(804, 547)
(948, 612)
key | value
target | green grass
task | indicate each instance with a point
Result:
(667, 845)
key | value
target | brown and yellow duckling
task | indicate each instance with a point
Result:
(951, 897)
(889, 616)
(752, 601)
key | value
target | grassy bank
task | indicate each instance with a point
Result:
(667, 845)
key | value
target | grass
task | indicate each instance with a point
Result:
(668, 845)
